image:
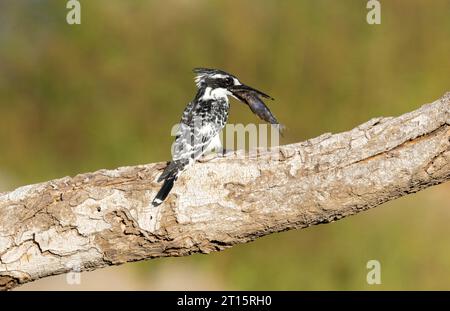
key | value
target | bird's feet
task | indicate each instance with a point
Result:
(226, 153)
(211, 156)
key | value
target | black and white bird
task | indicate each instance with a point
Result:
(204, 118)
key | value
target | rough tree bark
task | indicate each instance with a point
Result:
(105, 218)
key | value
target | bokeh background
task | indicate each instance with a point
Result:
(107, 92)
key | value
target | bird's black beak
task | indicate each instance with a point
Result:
(242, 91)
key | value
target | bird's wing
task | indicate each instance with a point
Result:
(192, 141)
(190, 144)
(188, 112)
(200, 123)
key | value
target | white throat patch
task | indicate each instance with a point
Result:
(217, 93)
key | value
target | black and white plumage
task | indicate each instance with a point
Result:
(204, 118)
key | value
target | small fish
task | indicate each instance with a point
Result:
(252, 99)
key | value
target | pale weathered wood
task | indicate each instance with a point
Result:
(105, 218)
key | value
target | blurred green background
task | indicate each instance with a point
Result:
(107, 92)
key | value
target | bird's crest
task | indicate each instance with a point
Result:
(203, 73)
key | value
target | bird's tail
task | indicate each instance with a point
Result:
(170, 174)
(163, 192)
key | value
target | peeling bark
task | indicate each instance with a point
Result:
(106, 218)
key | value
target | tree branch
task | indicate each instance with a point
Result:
(105, 218)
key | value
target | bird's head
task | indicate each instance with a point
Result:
(230, 84)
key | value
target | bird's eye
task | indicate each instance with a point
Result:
(229, 80)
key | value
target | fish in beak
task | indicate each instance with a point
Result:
(251, 97)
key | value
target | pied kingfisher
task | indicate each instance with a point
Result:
(204, 118)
